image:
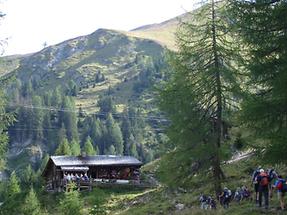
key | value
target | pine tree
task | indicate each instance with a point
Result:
(111, 150)
(200, 94)
(75, 148)
(69, 118)
(5, 120)
(64, 148)
(56, 98)
(37, 118)
(49, 135)
(27, 89)
(115, 135)
(28, 176)
(106, 105)
(262, 27)
(132, 147)
(126, 131)
(71, 204)
(96, 133)
(88, 147)
(31, 204)
(13, 186)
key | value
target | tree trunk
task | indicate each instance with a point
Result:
(216, 163)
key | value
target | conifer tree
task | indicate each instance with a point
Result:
(75, 148)
(31, 204)
(56, 98)
(71, 204)
(106, 105)
(132, 148)
(111, 150)
(64, 148)
(28, 176)
(115, 135)
(37, 118)
(262, 27)
(96, 133)
(199, 96)
(49, 135)
(5, 120)
(88, 147)
(69, 118)
(13, 186)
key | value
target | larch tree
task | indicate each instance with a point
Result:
(13, 186)
(31, 204)
(202, 90)
(88, 147)
(64, 148)
(6, 119)
(75, 148)
(262, 25)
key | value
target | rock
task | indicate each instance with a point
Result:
(179, 206)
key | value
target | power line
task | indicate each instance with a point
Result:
(47, 129)
(74, 111)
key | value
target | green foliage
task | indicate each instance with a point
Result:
(71, 204)
(199, 95)
(75, 148)
(64, 148)
(111, 150)
(69, 118)
(31, 204)
(6, 120)
(106, 105)
(261, 27)
(28, 176)
(88, 147)
(114, 135)
(97, 210)
(13, 186)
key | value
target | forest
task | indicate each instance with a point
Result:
(185, 113)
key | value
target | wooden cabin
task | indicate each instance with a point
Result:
(98, 168)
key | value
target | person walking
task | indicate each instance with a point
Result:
(281, 186)
(263, 181)
(255, 183)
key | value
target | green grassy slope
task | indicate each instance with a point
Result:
(164, 200)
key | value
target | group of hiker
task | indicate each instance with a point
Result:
(75, 177)
(264, 183)
(224, 198)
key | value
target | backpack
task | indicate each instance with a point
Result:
(272, 174)
(264, 180)
(279, 184)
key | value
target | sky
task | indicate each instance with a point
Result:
(29, 24)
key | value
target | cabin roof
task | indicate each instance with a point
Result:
(97, 160)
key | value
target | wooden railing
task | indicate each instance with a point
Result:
(63, 185)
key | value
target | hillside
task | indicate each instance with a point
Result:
(164, 32)
(106, 63)
(104, 59)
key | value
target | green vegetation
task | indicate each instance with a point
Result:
(222, 91)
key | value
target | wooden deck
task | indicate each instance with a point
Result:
(103, 183)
